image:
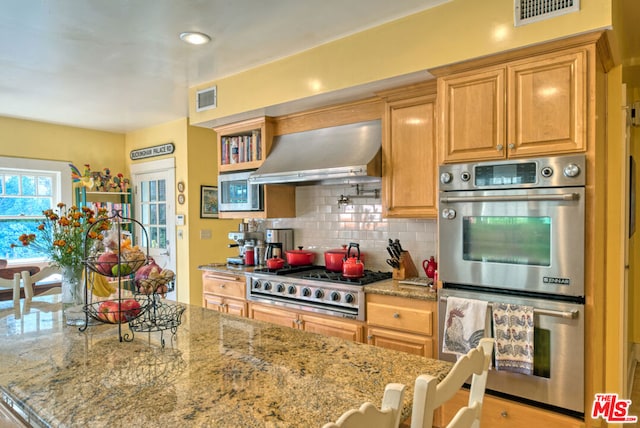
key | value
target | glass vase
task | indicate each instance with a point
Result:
(73, 295)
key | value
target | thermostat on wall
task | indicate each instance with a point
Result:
(179, 219)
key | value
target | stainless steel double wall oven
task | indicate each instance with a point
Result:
(513, 232)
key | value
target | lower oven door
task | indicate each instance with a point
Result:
(558, 379)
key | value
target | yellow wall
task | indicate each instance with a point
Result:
(449, 33)
(172, 132)
(37, 140)
(203, 170)
(195, 159)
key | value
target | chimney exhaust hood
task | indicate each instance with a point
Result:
(346, 154)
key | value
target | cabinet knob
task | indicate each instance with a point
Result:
(396, 315)
(499, 147)
(370, 337)
(512, 146)
(504, 414)
(222, 285)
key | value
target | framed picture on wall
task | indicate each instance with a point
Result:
(208, 202)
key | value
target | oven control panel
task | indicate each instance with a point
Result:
(557, 171)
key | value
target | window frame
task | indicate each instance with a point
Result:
(62, 189)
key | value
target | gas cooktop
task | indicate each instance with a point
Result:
(319, 273)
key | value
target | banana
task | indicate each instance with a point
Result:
(101, 287)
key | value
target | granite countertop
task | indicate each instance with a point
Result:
(217, 371)
(394, 287)
(389, 287)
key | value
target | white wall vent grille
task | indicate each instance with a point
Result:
(527, 11)
(206, 99)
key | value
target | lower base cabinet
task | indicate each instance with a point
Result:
(224, 293)
(325, 325)
(402, 324)
(500, 413)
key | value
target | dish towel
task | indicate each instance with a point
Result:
(465, 325)
(513, 332)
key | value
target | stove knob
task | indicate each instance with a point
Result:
(349, 298)
(306, 292)
(335, 296)
(267, 286)
(257, 284)
(446, 177)
(291, 289)
(319, 294)
(280, 288)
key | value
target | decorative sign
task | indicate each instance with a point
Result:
(149, 152)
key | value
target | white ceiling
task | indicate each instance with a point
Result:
(118, 65)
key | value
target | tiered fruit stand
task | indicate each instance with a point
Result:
(135, 301)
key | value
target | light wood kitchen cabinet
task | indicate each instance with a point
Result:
(244, 145)
(410, 165)
(325, 325)
(500, 413)
(224, 293)
(402, 324)
(536, 106)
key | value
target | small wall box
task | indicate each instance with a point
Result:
(180, 219)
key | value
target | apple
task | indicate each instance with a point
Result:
(130, 309)
(112, 312)
(105, 262)
(108, 311)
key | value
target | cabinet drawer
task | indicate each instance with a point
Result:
(500, 413)
(224, 285)
(400, 313)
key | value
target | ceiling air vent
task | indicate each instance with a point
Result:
(206, 99)
(527, 11)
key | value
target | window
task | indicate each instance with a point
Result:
(25, 192)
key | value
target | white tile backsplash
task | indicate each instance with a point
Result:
(320, 224)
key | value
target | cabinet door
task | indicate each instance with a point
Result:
(235, 307)
(410, 159)
(472, 115)
(273, 315)
(343, 329)
(406, 342)
(501, 413)
(547, 104)
(212, 301)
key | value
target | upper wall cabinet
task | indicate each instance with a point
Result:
(409, 185)
(535, 106)
(244, 145)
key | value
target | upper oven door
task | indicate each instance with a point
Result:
(525, 239)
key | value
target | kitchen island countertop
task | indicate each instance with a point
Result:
(218, 371)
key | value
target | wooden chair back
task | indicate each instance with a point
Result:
(369, 416)
(429, 394)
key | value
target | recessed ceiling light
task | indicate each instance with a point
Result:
(195, 38)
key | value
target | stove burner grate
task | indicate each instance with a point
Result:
(325, 275)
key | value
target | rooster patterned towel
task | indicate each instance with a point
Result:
(513, 331)
(465, 322)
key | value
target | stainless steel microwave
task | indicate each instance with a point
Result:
(238, 194)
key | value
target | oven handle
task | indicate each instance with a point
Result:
(512, 198)
(570, 315)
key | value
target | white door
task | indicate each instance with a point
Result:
(154, 202)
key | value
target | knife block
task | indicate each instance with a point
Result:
(407, 268)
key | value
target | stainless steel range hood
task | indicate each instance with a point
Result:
(346, 154)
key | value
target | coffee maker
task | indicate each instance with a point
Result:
(242, 238)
